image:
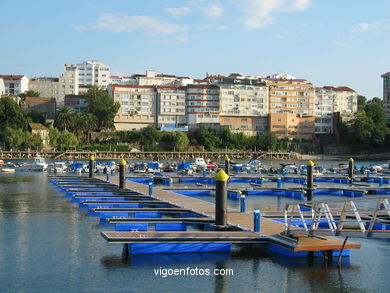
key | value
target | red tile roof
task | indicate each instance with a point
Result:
(340, 88)
(11, 76)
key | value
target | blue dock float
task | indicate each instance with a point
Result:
(193, 192)
(149, 248)
(184, 241)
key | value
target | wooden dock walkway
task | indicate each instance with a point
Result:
(268, 229)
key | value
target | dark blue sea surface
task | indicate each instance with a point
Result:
(48, 245)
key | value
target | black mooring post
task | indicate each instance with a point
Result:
(91, 166)
(221, 199)
(351, 164)
(122, 174)
(227, 165)
(309, 190)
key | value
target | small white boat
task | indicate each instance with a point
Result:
(8, 170)
(39, 164)
(58, 167)
(198, 164)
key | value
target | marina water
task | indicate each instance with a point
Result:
(48, 245)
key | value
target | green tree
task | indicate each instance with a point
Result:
(34, 117)
(271, 141)
(257, 142)
(361, 130)
(14, 137)
(33, 141)
(208, 137)
(67, 140)
(63, 119)
(361, 102)
(10, 115)
(89, 123)
(175, 140)
(102, 106)
(240, 141)
(29, 93)
(54, 135)
(149, 138)
(374, 110)
(36, 141)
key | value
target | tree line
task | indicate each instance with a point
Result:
(70, 130)
(368, 129)
(151, 139)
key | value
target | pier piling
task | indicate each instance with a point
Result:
(91, 166)
(227, 165)
(279, 182)
(221, 199)
(122, 174)
(350, 170)
(256, 220)
(310, 167)
(242, 203)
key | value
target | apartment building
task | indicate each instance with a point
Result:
(2, 87)
(57, 87)
(386, 95)
(77, 103)
(202, 103)
(288, 95)
(152, 78)
(14, 84)
(244, 108)
(330, 100)
(93, 72)
(117, 79)
(323, 111)
(171, 108)
(292, 126)
(137, 106)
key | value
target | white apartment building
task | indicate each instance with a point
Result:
(57, 87)
(152, 78)
(386, 95)
(202, 103)
(171, 108)
(14, 84)
(116, 79)
(244, 108)
(330, 100)
(323, 111)
(93, 73)
(2, 86)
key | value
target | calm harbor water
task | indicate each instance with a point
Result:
(48, 245)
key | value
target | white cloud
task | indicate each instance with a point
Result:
(212, 27)
(376, 26)
(337, 43)
(179, 11)
(212, 11)
(173, 40)
(278, 36)
(259, 13)
(131, 23)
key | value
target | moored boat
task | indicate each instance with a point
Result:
(39, 164)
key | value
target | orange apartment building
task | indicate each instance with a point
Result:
(291, 107)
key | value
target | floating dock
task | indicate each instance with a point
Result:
(271, 232)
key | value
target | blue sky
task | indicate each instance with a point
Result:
(327, 42)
